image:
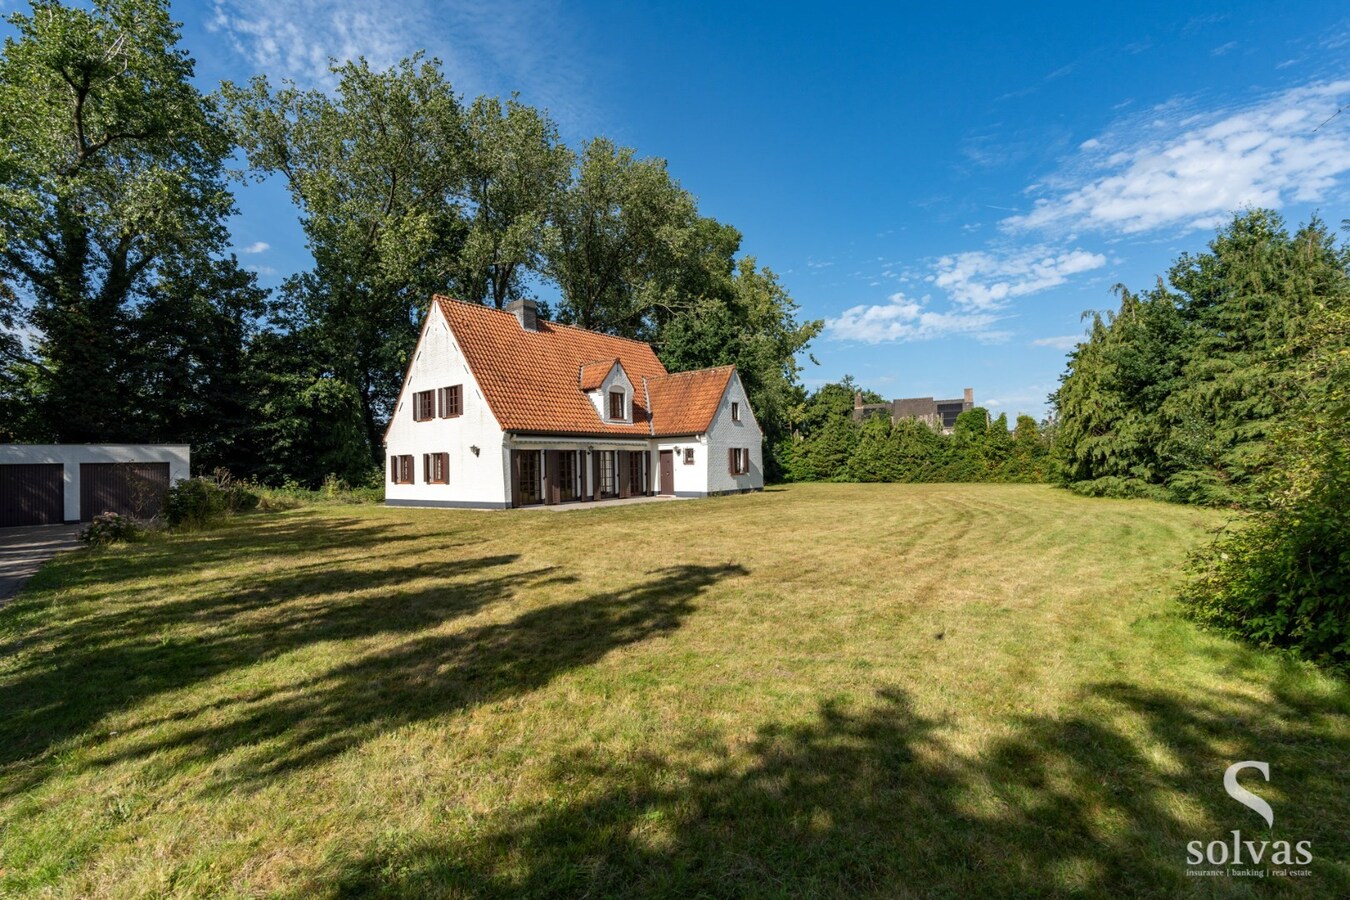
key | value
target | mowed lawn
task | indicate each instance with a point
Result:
(818, 690)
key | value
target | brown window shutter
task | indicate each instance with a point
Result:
(731, 460)
(393, 469)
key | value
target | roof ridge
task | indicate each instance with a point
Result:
(697, 371)
(484, 306)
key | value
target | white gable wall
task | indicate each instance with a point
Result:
(724, 434)
(475, 480)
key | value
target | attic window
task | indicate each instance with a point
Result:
(616, 410)
(424, 406)
(452, 401)
(735, 411)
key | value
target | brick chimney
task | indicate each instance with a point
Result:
(857, 399)
(526, 313)
(970, 398)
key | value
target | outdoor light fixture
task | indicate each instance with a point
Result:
(473, 448)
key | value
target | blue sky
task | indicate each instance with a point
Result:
(948, 185)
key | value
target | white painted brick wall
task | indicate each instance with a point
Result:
(724, 434)
(474, 479)
(692, 479)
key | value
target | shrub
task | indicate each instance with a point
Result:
(109, 528)
(194, 502)
(292, 494)
(1283, 580)
(239, 496)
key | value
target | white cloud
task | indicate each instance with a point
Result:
(256, 247)
(1205, 166)
(987, 280)
(979, 283)
(1059, 342)
(486, 47)
(295, 38)
(903, 319)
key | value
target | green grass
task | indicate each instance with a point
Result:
(823, 690)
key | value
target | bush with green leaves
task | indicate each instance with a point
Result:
(109, 528)
(194, 502)
(1282, 579)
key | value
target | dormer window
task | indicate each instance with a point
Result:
(616, 405)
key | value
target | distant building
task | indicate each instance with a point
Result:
(937, 413)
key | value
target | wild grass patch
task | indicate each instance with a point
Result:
(827, 689)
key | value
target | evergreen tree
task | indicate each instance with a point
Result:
(1175, 394)
(918, 450)
(872, 459)
(1282, 578)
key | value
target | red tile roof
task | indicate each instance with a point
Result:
(684, 403)
(535, 381)
(593, 374)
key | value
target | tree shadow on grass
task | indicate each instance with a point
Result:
(874, 801)
(429, 675)
(101, 659)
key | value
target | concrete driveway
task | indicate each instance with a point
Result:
(24, 550)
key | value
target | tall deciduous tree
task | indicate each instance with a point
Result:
(516, 169)
(111, 167)
(377, 171)
(620, 240)
(750, 323)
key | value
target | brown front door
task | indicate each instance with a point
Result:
(667, 472)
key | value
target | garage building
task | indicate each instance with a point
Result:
(47, 484)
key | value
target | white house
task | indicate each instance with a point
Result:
(502, 409)
(46, 484)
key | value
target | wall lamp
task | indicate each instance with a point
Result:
(473, 448)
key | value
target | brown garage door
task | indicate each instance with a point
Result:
(131, 489)
(32, 494)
